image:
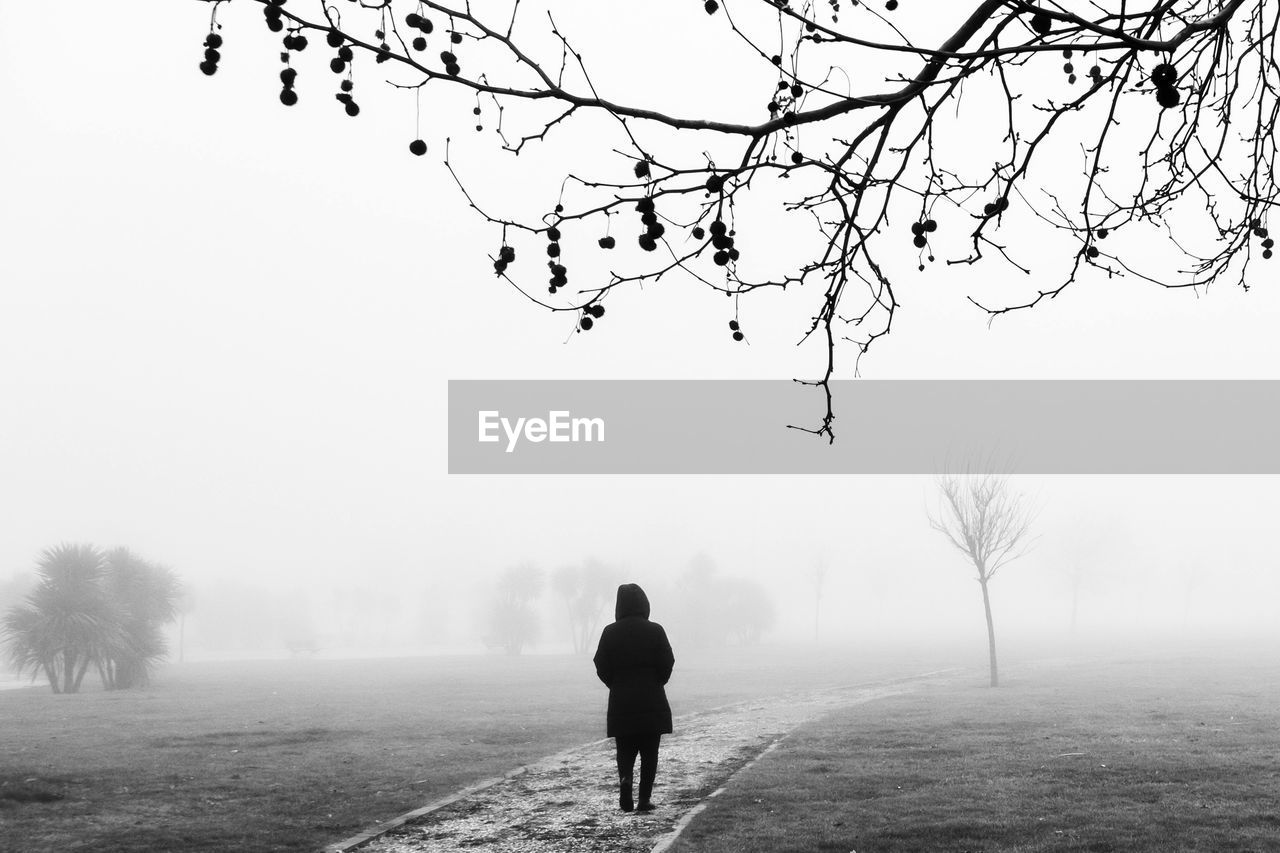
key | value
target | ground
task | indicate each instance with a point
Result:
(1166, 752)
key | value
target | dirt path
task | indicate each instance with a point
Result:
(567, 803)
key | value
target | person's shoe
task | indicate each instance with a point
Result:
(645, 806)
(624, 794)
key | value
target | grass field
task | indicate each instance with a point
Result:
(1133, 757)
(290, 755)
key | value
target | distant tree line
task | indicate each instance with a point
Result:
(702, 607)
(96, 609)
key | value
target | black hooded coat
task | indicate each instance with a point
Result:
(634, 661)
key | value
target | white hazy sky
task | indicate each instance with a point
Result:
(226, 329)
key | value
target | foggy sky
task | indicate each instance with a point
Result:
(226, 329)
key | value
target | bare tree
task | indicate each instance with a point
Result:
(1115, 138)
(987, 523)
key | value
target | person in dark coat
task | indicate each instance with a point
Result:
(634, 661)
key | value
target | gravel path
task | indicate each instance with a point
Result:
(568, 803)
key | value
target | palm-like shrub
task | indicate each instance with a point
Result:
(143, 597)
(67, 623)
(91, 608)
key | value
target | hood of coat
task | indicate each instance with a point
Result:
(631, 602)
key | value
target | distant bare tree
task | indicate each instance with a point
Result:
(987, 523)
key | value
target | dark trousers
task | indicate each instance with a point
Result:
(646, 746)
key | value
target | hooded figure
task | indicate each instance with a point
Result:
(634, 661)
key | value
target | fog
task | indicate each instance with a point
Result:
(226, 331)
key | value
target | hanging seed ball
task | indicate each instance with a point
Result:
(208, 68)
(1168, 97)
(645, 205)
(642, 169)
(891, 5)
(1068, 68)
(797, 158)
(334, 38)
(453, 69)
(346, 85)
(733, 325)
(1041, 23)
(1268, 243)
(989, 208)
(715, 184)
(1255, 223)
(426, 26)
(607, 242)
(475, 111)
(300, 43)
(738, 336)
(1095, 71)
(930, 226)
(288, 75)
(1266, 254)
(796, 90)
(1091, 252)
(343, 97)
(596, 311)
(345, 53)
(718, 228)
(353, 109)
(553, 250)
(917, 228)
(775, 59)
(337, 66)
(1260, 232)
(559, 208)
(274, 24)
(721, 258)
(212, 55)
(419, 43)
(417, 147)
(586, 323)
(1164, 74)
(711, 6)
(734, 254)
(214, 41)
(920, 241)
(647, 242)
(456, 38)
(413, 19)
(553, 234)
(447, 58)
(1071, 78)
(288, 97)
(1102, 233)
(507, 253)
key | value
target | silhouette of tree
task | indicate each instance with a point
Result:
(513, 621)
(989, 524)
(1114, 138)
(144, 598)
(90, 608)
(67, 623)
(586, 591)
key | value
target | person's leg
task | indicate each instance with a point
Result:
(627, 746)
(648, 768)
